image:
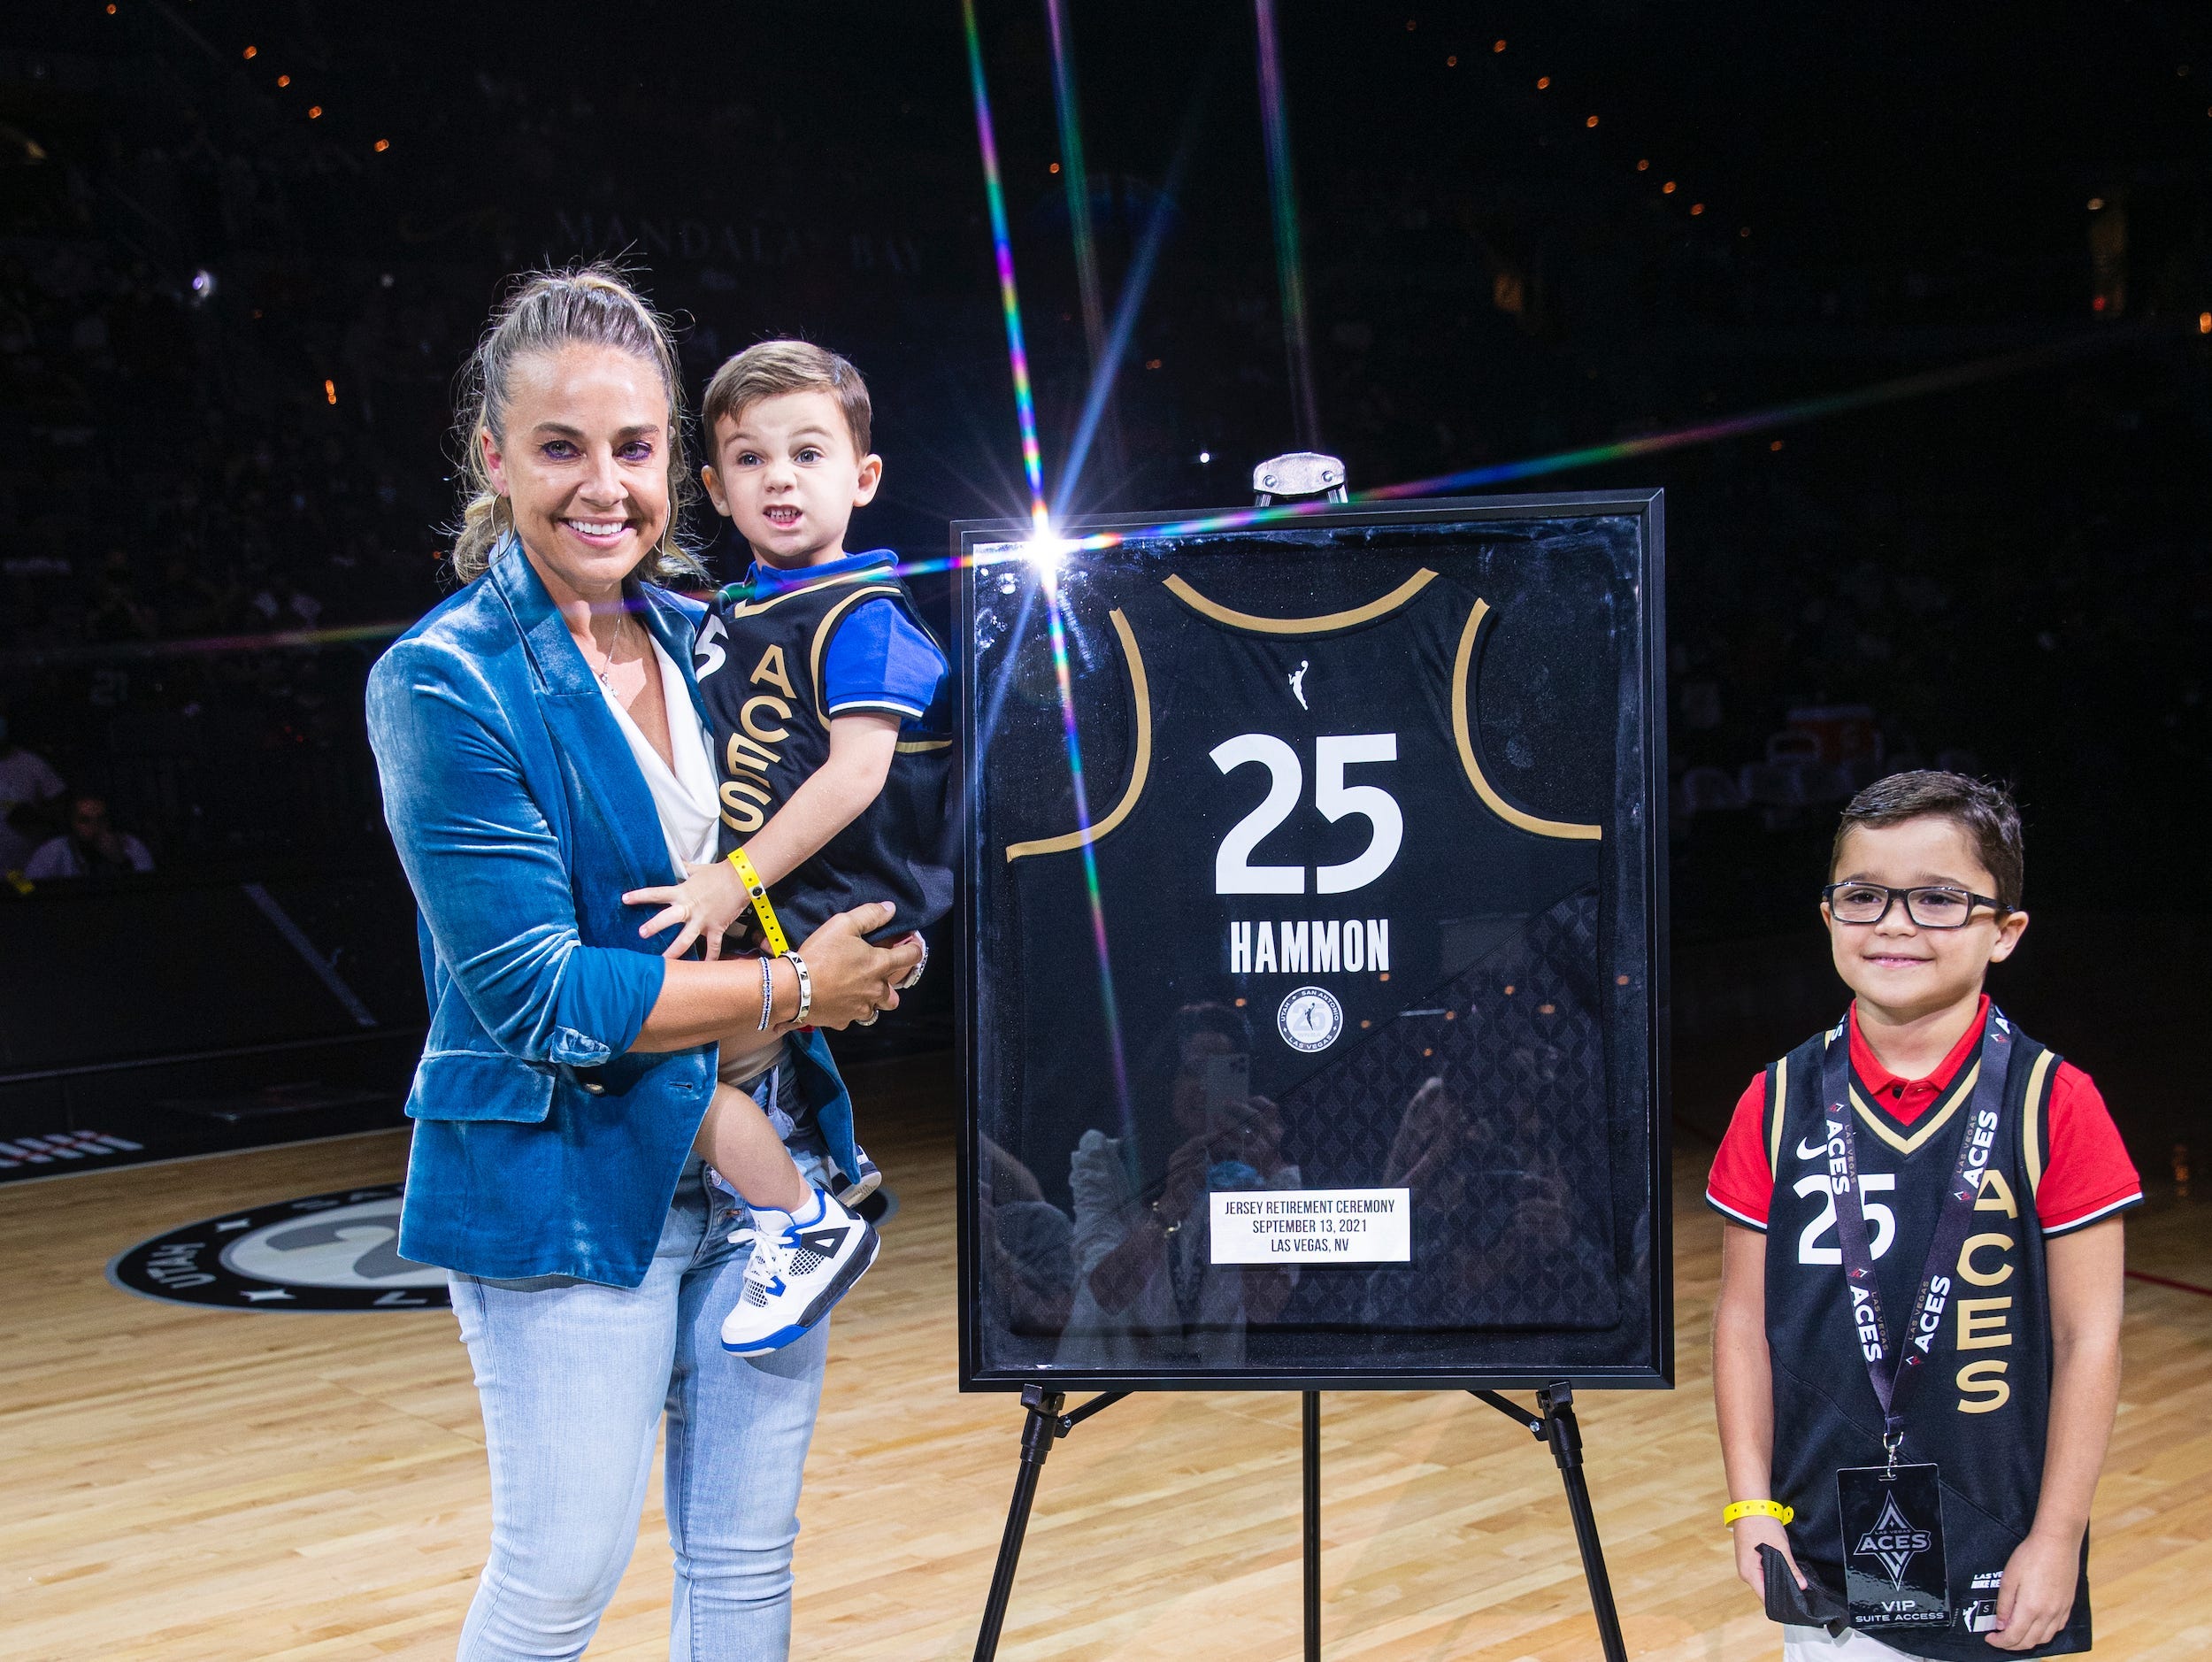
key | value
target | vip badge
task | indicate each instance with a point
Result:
(1893, 1547)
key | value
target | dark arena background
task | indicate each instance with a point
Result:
(1908, 310)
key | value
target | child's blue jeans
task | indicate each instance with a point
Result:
(574, 1377)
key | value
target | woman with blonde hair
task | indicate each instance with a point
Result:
(540, 742)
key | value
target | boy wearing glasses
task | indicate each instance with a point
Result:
(1916, 1350)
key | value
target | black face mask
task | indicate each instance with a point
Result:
(1811, 1605)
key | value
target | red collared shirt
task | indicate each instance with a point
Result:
(2087, 1176)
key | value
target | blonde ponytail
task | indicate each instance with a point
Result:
(585, 306)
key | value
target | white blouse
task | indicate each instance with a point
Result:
(686, 799)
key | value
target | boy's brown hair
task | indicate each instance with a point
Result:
(773, 368)
(1986, 812)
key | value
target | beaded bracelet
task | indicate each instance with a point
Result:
(767, 992)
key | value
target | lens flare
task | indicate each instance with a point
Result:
(986, 728)
(1056, 632)
(1078, 181)
(1009, 300)
(1559, 461)
(276, 639)
(1138, 280)
(1649, 444)
(1044, 550)
(1289, 262)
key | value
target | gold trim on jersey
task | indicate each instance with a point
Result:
(754, 608)
(1928, 1128)
(821, 639)
(1140, 693)
(1326, 624)
(915, 747)
(2031, 1127)
(1779, 1105)
(1505, 811)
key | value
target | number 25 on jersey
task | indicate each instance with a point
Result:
(1234, 871)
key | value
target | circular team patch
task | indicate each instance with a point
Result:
(322, 1252)
(1309, 1019)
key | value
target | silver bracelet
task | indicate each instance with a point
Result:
(915, 975)
(767, 992)
(806, 987)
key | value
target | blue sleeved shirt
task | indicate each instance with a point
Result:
(878, 660)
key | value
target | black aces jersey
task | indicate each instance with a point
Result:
(1292, 817)
(1982, 1413)
(759, 664)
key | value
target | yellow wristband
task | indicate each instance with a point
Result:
(1737, 1509)
(770, 931)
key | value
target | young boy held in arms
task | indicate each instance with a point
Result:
(1917, 1347)
(833, 740)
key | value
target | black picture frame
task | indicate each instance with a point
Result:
(1653, 1369)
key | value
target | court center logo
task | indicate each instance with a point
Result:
(1894, 1540)
(1309, 1019)
(322, 1252)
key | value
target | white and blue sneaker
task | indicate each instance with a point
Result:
(801, 1264)
(854, 1189)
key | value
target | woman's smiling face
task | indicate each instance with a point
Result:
(584, 463)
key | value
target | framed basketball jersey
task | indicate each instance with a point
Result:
(1313, 946)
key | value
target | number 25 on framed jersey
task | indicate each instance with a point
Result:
(1313, 947)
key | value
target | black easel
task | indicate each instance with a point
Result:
(1555, 1424)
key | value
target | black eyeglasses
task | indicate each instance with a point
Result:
(1931, 907)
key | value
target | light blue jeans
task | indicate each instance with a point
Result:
(574, 1377)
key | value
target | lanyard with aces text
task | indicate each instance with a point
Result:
(1891, 1379)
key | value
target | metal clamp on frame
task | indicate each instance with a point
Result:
(1299, 473)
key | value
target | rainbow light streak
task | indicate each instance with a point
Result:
(1058, 634)
(275, 641)
(1107, 364)
(1283, 194)
(1010, 301)
(1078, 181)
(1033, 464)
(1704, 433)
(987, 727)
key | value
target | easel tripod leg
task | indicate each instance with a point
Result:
(1038, 1430)
(1565, 1437)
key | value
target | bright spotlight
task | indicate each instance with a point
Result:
(1205, 456)
(1048, 557)
(202, 286)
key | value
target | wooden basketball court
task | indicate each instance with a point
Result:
(202, 1484)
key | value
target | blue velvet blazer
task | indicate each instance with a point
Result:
(543, 1145)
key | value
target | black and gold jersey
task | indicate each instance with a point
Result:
(761, 669)
(1296, 819)
(1982, 1414)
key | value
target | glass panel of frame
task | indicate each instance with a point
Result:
(1314, 946)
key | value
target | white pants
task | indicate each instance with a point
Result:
(1813, 1645)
